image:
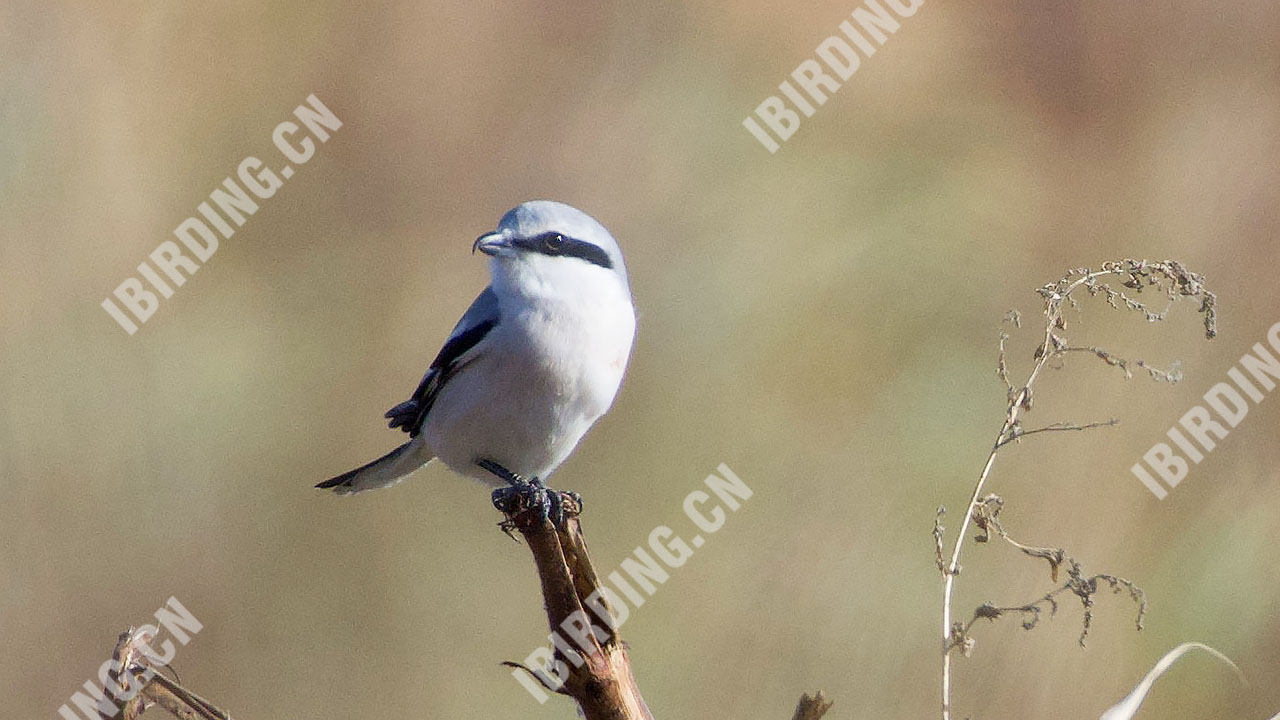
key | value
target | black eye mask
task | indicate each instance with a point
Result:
(561, 245)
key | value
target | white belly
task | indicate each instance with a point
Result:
(544, 378)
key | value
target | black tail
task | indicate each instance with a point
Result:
(383, 472)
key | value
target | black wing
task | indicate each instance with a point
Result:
(475, 324)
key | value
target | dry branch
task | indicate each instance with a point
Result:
(133, 656)
(598, 676)
(812, 707)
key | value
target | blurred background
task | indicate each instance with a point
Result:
(824, 320)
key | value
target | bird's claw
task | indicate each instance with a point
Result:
(523, 496)
(530, 495)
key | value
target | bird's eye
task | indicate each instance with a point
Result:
(553, 241)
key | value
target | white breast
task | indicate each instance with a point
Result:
(548, 371)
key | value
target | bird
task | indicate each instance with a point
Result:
(534, 362)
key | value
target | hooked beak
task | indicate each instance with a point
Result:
(492, 244)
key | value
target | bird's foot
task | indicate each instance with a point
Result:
(524, 495)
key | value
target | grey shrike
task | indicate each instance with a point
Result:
(532, 364)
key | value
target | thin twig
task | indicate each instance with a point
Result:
(1018, 433)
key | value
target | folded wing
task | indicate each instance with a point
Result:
(481, 318)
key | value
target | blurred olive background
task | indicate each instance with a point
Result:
(824, 320)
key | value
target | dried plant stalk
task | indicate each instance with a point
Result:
(1168, 279)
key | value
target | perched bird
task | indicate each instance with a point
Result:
(530, 367)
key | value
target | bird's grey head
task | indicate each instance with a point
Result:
(543, 241)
